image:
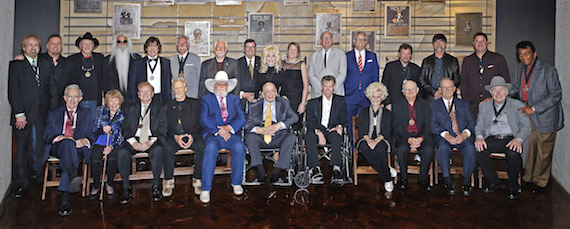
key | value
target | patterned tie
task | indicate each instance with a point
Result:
(181, 61)
(251, 68)
(454, 125)
(224, 110)
(36, 73)
(325, 59)
(360, 64)
(267, 137)
(69, 125)
(145, 126)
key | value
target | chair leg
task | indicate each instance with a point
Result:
(44, 185)
(84, 182)
(480, 175)
(355, 166)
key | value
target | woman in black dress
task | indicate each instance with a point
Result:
(295, 85)
(270, 69)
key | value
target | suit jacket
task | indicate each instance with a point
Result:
(385, 124)
(60, 79)
(24, 94)
(518, 121)
(450, 70)
(54, 127)
(440, 120)
(77, 76)
(191, 72)
(188, 113)
(337, 116)
(211, 114)
(544, 95)
(210, 67)
(246, 81)
(393, 80)
(283, 112)
(354, 78)
(336, 66)
(158, 121)
(400, 119)
(474, 92)
(112, 77)
(138, 72)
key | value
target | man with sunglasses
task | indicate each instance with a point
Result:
(117, 64)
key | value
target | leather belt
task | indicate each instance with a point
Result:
(501, 136)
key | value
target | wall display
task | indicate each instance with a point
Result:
(261, 28)
(363, 6)
(467, 25)
(370, 37)
(397, 21)
(296, 2)
(228, 2)
(198, 33)
(160, 2)
(433, 1)
(126, 20)
(330, 23)
(87, 6)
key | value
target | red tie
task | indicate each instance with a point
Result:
(69, 125)
(224, 110)
(360, 64)
(454, 125)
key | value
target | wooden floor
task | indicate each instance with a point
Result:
(362, 206)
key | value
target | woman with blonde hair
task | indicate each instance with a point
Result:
(270, 69)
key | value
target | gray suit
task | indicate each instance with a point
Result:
(191, 72)
(518, 121)
(336, 66)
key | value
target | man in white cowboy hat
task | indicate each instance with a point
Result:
(501, 127)
(221, 118)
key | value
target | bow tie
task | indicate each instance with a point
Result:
(150, 60)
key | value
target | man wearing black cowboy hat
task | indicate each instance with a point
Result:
(86, 69)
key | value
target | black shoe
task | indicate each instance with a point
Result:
(449, 189)
(337, 175)
(466, 189)
(156, 193)
(19, 193)
(491, 188)
(260, 179)
(65, 208)
(427, 188)
(274, 178)
(75, 184)
(127, 194)
(403, 185)
(94, 196)
(112, 194)
(513, 195)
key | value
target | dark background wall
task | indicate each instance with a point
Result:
(519, 20)
(35, 16)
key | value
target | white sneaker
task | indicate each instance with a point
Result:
(238, 190)
(167, 187)
(389, 186)
(393, 172)
(205, 197)
(197, 184)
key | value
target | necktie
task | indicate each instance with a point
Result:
(325, 59)
(36, 74)
(145, 126)
(251, 68)
(454, 125)
(224, 110)
(181, 65)
(69, 125)
(267, 138)
(360, 64)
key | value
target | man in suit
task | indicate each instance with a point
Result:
(30, 92)
(248, 72)
(184, 129)
(477, 71)
(396, 72)
(210, 67)
(327, 61)
(411, 119)
(326, 119)
(152, 69)
(268, 123)
(118, 64)
(453, 125)
(67, 137)
(144, 130)
(221, 118)
(437, 66)
(58, 63)
(501, 127)
(536, 83)
(86, 70)
(186, 65)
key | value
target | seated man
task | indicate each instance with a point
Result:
(452, 123)
(501, 127)
(326, 119)
(183, 133)
(66, 137)
(411, 125)
(268, 122)
(221, 119)
(144, 129)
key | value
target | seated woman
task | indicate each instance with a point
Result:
(270, 69)
(109, 137)
(374, 126)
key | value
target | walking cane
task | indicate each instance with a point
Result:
(104, 169)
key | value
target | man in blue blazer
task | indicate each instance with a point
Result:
(153, 69)
(70, 143)
(452, 126)
(221, 117)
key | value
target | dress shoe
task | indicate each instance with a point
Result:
(491, 188)
(389, 186)
(65, 207)
(513, 195)
(75, 184)
(537, 189)
(260, 179)
(19, 192)
(168, 187)
(110, 191)
(156, 193)
(279, 182)
(94, 193)
(466, 189)
(238, 190)
(205, 197)
(127, 194)
(403, 185)
(337, 175)
(449, 189)
(197, 184)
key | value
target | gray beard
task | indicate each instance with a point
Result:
(221, 93)
(122, 61)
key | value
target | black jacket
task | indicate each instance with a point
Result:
(189, 114)
(111, 75)
(392, 79)
(450, 70)
(401, 117)
(158, 121)
(245, 81)
(315, 110)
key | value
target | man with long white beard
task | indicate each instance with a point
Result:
(116, 65)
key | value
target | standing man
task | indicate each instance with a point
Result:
(152, 69)
(327, 61)
(437, 66)
(58, 63)
(248, 72)
(396, 72)
(536, 83)
(220, 62)
(186, 65)
(118, 64)
(477, 71)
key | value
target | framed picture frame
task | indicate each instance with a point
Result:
(228, 2)
(198, 33)
(160, 2)
(126, 20)
(466, 26)
(397, 20)
(364, 6)
(87, 6)
(260, 28)
(296, 2)
(370, 38)
(330, 23)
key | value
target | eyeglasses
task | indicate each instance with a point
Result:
(122, 41)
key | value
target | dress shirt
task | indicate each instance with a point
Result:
(326, 53)
(437, 72)
(157, 74)
(326, 108)
(248, 61)
(502, 127)
(226, 104)
(360, 53)
(181, 57)
(132, 140)
(447, 102)
(273, 115)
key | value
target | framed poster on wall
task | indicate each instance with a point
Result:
(397, 20)
(260, 28)
(126, 20)
(330, 23)
(467, 25)
(198, 33)
(364, 6)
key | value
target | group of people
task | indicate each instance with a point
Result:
(97, 109)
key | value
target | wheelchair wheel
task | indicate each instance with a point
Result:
(302, 180)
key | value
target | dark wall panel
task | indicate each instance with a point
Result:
(40, 17)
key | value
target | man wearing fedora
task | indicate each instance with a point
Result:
(501, 127)
(221, 118)
(86, 70)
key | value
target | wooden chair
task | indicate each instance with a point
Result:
(502, 174)
(54, 182)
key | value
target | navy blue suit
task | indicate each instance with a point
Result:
(138, 74)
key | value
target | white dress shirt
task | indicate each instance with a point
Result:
(154, 81)
(326, 108)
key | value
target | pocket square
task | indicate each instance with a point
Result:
(370, 61)
(491, 66)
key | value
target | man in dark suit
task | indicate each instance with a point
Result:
(117, 65)
(537, 84)
(221, 118)
(183, 133)
(268, 123)
(220, 62)
(30, 92)
(68, 137)
(411, 119)
(58, 64)
(187, 65)
(453, 125)
(396, 72)
(152, 69)
(144, 129)
(248, 72)
(437, 66)
(326, 119)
